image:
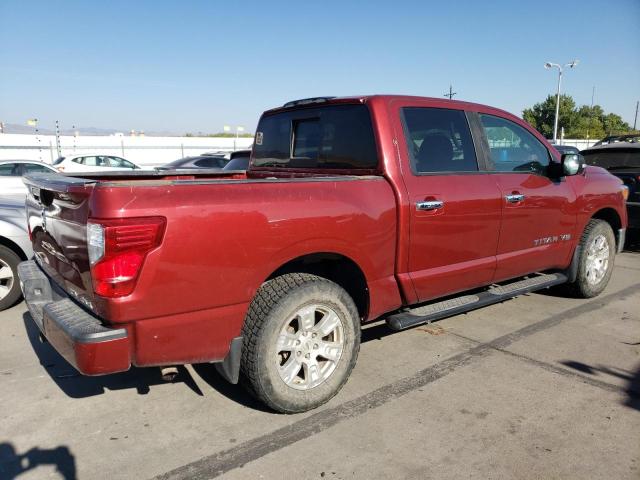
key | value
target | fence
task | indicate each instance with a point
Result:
(142, 150)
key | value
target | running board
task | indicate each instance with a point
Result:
(465, 303)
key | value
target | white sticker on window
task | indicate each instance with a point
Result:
(258, 138)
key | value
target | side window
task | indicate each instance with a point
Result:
(120, 163)
(95, 161)
(513, 149)
(33, 168)
(8, 169)
(438, 140)
(78, 160)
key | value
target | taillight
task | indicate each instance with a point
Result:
(117, 249)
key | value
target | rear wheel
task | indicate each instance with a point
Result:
(596, 258)
(301, 341)
(9, 285)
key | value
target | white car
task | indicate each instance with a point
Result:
(91, 162)
(11, 172)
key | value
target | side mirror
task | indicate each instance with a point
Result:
(572, 164)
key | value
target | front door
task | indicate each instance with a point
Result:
(538, 215)
(454, 208)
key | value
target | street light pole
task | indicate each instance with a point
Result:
(549, 65)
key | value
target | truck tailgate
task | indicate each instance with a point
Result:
(57, 213)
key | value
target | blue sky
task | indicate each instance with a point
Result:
(196, 66)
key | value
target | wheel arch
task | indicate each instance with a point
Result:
(6, 242)
(611, 216)
(336, 267)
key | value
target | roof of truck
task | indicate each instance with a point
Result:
(439, 102)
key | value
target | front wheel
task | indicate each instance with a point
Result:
(301, 341)
(596, 258)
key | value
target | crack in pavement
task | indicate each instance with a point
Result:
(221, 462)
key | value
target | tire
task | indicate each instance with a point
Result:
(9, 284)
(597, 250)
(292, 322)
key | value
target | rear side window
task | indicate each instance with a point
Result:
(331, 137)
(514, 149)
(438, 140)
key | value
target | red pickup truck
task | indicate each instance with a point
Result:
(354, 209)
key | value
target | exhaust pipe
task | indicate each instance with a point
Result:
(169, 373)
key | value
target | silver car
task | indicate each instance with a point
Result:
(15, 247)
(11, 172)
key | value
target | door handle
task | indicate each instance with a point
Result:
(429, 205)
(514, 198)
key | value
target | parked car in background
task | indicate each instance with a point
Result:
(15, 247)
(11, 172)
(630, 138)
(623, 160)
(566, 149)
(90, 162)
(239, 160)
(198, 161)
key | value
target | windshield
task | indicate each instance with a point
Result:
(178, 163)
(333, 136)
(238, 163)
(59, 160)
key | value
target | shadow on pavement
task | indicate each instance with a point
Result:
(208, 373)
(76, 385)
(633, 379)
(13, 464)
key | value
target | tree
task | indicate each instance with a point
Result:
(613, 124)
(542, 115)
(582, 122)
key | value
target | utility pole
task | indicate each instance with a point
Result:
(451, 93)
(593, 93)
(635, 120)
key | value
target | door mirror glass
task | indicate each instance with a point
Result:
(572, 164)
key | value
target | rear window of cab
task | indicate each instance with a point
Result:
(327, 137)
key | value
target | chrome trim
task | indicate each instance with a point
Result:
(429, 205)
(514, 198)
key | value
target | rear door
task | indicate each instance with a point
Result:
(538, 213)
(455, 207)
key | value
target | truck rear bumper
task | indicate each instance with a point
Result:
(78, 336)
